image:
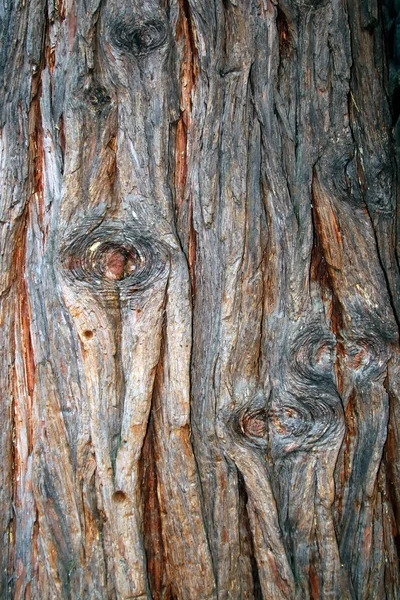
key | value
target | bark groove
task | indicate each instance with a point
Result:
(199, 300)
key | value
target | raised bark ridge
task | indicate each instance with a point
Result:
(199, 298)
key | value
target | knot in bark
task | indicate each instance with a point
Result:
(139, 38)
(113, 258)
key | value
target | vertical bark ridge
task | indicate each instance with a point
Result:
(198, 302)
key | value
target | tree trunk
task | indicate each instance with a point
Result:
(199, 300)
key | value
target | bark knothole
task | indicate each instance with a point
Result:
(114, 258)
(118, 262)
(139, 38)
(313, 355)
(305, 424)
(255, 425)
(366, 358)
(89, 94)
(98, 97)
(119, 497)
(87, 334)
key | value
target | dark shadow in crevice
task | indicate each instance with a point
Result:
(152, 532)
(246, 537)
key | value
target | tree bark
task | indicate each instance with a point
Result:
(199, 300)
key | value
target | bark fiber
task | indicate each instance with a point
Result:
(199, 300)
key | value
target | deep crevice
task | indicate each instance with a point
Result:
(246, 522)
(152, 530)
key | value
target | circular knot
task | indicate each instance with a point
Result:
(113, 258)
(139, 38)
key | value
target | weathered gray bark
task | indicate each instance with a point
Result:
(199, 301)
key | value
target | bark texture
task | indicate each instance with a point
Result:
(199, 300)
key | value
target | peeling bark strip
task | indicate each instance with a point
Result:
(199, 301)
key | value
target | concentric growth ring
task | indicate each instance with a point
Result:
(113, 258)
